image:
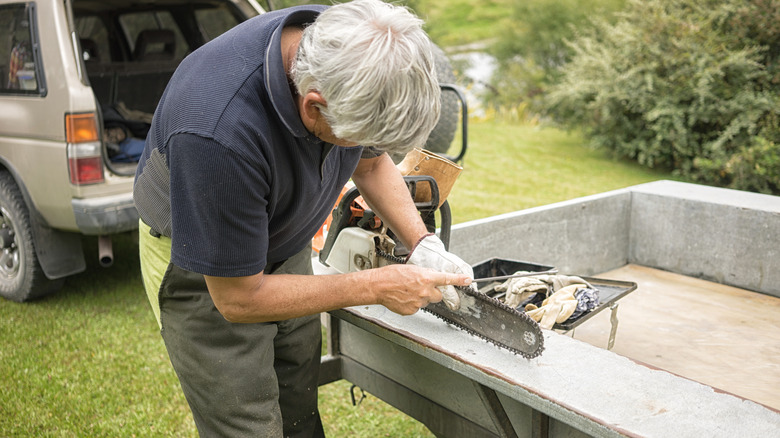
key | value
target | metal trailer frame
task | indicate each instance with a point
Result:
(461, 386)
(372, 359)
(458, 385)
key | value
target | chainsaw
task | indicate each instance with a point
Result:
(357, 240)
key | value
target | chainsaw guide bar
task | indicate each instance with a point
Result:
(490, 319)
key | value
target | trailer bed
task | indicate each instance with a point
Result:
(722, 336)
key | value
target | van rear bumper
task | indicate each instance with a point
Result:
(106, 215)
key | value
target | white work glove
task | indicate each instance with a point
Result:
(558, 307)
(430, 253)
(521, 288)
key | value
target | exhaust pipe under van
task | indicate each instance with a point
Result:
(105, 251)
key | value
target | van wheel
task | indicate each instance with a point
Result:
(443, 133)
(21, 276)
(441, 137)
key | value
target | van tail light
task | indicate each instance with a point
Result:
(85, 157)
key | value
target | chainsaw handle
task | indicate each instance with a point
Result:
(342, 214)
(427, 209)
(446, 224)
(411, 184)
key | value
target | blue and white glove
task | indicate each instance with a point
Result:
(430, 253)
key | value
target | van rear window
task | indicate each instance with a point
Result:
(161, 31)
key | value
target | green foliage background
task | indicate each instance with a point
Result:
(532, 48)
(687, 85)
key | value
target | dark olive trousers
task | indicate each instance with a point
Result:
(241, 380)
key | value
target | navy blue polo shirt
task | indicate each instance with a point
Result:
(229, 171)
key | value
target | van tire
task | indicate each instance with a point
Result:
(441, 137)
(443, 133)
(21, 276)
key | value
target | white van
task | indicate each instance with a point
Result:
(79, 80)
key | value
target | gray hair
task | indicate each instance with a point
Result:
(373, 64)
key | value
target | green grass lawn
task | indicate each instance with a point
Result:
(456, 22)
(88, 361)
(510, 167)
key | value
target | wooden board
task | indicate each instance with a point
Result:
(722, 336)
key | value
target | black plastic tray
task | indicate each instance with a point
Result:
(496, 267)
(609, 290)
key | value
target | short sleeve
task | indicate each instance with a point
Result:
(370, 152)
(219, 219)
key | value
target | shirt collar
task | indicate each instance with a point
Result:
(276, 83)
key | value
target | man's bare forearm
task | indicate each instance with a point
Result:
(383, 188)
(262, 298)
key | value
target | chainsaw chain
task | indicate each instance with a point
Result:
(393, 258)
(533, 327)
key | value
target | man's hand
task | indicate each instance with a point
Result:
(430, 253)
(404, 289)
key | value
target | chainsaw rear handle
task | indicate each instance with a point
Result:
(428, 208)
(342, 214)
(411, 184)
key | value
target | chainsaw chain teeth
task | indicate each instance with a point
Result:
(391, 257)
(480, 296)
(473, 333)
(495, 302)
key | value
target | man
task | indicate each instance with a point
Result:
(251, 143)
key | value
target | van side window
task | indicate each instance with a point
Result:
(20, 73)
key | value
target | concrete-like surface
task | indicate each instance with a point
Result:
(599, 392)
(723, 336)
(727, 236)
(586, 235)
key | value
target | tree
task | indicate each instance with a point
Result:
(689, 85)
(532, 50)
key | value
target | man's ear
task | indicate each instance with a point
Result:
(310, 108)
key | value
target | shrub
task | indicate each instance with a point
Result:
(757, 22)
(531, 48)
(754, 167)
(689, 85)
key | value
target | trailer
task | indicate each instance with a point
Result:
(459, 385)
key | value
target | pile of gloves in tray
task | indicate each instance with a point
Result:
(550, 299)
